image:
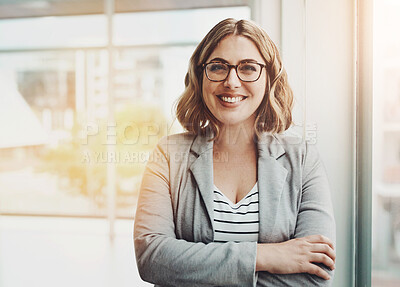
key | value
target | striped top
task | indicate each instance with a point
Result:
(236, 222)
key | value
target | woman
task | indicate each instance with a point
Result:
(235, 201)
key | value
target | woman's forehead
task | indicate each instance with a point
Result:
(236, 48)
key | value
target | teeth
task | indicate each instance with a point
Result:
(232, 99)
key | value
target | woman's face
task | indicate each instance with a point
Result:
(234, 102)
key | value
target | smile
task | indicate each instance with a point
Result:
(231, 99)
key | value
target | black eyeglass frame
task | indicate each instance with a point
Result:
(204, 66)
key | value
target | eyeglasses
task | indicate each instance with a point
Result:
(246, 71)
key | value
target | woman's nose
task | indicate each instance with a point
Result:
(232, 81)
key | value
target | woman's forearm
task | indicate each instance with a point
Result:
(178, 262)
(297, 256)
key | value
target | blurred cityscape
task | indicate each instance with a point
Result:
(58, 118)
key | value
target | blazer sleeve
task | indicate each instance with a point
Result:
(165, 260)
(315, 214)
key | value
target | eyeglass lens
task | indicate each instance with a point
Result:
(246, 71)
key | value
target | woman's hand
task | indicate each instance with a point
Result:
(297, 256)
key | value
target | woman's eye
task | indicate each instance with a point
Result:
(248, 68)
(217, 67)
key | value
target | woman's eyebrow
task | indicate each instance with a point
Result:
(219, 60)
(225, 61)
(248, 60)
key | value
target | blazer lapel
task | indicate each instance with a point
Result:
(271, 179)
(202, 170)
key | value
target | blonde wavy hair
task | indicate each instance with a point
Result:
(274, 114)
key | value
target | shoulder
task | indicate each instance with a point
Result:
(296, 147)
(180, 142)
(289, 140)
(300, 156)
(278, 144)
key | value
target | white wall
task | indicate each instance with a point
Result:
(330, 103)
(316, 40)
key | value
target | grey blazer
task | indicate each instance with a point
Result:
(173, 230)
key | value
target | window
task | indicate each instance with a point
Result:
(386, 146)
(54, 115)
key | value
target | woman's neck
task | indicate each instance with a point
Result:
(236, 137)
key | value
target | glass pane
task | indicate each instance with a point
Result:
(53, 32)
(386, 146)
(45, 104)
(147, 82)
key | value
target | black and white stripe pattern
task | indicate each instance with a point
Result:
(236, 222)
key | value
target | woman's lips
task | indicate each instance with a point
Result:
(231, 99)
